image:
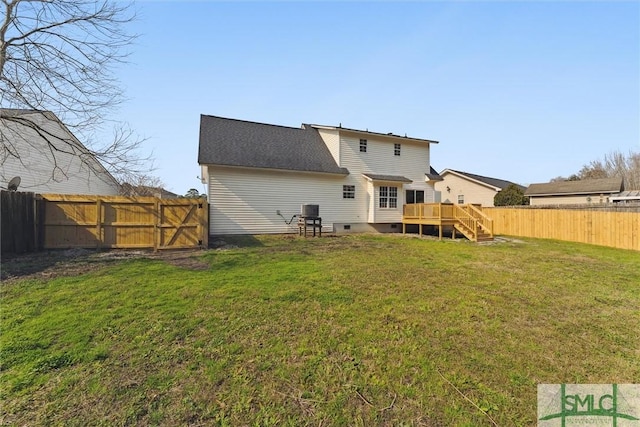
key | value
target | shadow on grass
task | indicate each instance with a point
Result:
(239, 241)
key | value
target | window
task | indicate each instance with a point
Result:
(461, 199)
(414, 196)
(388, 197)
(363, 145)
(396, 149)
(348, 191)
(393, 197)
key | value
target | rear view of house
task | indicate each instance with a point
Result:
(259, 175)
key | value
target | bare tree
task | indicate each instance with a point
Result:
(624, 166)
(59, 56)
(594, 170)
(615, 164)
(560, 178)
(143, 185)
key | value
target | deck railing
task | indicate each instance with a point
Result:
(428, 211)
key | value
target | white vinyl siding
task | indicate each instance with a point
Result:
(332, 141)
(245, 200)
(38, 171)
(379, 159)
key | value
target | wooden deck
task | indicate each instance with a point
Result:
(467, 219)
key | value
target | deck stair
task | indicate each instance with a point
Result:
(469, 220)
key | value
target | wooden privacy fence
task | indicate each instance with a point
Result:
(71, 221)
(19, 230)
(615, 229)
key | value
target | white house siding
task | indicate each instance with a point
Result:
(331, 139)
(413, 163)
(245, 200)
(384, 215)
(37, 169)
(472, 191)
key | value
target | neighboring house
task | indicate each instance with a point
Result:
(466, 188)
(37, 147)
(574, 192)
(259, 175)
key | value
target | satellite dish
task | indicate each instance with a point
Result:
(14, 183)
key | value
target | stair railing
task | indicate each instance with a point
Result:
(484, 221)
(468, 221)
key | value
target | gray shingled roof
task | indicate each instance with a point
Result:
(495, 182)
(392, 178)
(232, 142)
(586, 186)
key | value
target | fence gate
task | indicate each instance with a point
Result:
(72, 221)
(182, 224)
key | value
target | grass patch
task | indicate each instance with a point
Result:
(355, 330)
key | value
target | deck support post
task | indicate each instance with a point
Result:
(453, 233)
(440, 232)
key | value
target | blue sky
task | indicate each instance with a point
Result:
(523, 91)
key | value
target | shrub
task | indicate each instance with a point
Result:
(511, 196)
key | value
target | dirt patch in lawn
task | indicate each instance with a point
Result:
(73, 262)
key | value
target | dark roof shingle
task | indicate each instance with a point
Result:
(232, 142)
(390, 178)
(586, 186)
(433, 175)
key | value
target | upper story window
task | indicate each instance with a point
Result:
(348, 191)
(388, 197)
(396, 149)
(363, 145)
(461, 199)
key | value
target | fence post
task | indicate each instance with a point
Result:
(99, 221)
(40, 207)
(203, 219)
(157, 230)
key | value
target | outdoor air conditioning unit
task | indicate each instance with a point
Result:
(310, 211)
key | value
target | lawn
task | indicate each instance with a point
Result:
(355, 330)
